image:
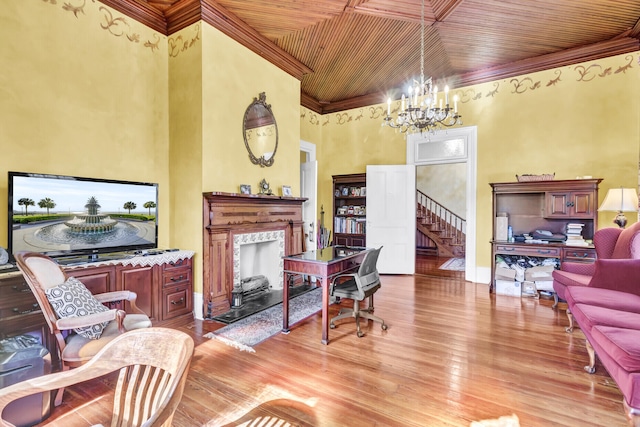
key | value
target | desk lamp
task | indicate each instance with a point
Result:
(620, 200)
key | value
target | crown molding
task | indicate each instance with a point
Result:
(184, 13)
(146, 15)
(311, 103)
(553, 60)
(229, 24)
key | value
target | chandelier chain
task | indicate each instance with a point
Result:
(422, 110)
(422, 45)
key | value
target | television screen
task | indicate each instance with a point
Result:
(64, 215)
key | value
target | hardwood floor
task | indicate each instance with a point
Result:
(453, 353)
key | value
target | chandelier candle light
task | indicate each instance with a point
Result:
(422, 110)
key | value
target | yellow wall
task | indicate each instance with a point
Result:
(78, 99)
(128, 103)
(185, 154)
(446, 184)
(574, 121)
(212, 83)
(232, 78)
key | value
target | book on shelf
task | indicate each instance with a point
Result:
(349, 225)
(576, 243)
(574, 237)
(574, 228)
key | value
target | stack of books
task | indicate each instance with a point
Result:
(574, 235)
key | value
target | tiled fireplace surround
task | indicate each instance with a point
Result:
(258, 253)
(231, 221)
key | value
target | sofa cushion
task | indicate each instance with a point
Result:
(73, 299)
(623, 345)
(80, 349)
(562, 279)
(589, 316)
(607, 298)
(571, 279)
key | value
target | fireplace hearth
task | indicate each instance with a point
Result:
(256, 303)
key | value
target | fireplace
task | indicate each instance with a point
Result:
(246, 236)
(257, 264)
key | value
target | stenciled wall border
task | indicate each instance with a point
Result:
(116, 25)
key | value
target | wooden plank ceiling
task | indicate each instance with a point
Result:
(352, 53)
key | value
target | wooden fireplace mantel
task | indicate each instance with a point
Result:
(227, 214)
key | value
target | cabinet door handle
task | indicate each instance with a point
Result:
(540, 251)
(180, 301)
(17, 310)
(509, 249)
(180, 277)
(179, 262)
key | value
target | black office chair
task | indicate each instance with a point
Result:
(358, 286)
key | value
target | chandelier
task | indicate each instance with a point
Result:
(422, 110)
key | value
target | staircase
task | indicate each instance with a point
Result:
(439, 230)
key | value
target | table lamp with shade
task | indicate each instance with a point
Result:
(620, 200)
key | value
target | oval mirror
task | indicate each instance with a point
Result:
(260, 132)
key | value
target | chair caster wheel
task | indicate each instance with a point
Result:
(360, 334)
(332, 326)
(384, 327)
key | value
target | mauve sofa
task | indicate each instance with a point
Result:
(608, 312)
(604, 300)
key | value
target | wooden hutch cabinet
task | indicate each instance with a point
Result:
(545, 205)
(349, 209)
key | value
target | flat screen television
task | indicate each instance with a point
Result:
(72, 217)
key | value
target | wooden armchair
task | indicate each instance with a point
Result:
(153, 365)
(43, 274)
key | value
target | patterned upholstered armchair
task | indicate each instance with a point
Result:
(81, 322)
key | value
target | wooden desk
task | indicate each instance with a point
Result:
(324, 264)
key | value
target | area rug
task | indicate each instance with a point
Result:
(455, 264)
(246, 333)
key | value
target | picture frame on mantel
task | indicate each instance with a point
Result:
(286, 191)
(245, 189)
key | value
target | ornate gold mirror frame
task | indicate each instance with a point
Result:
(260, 132)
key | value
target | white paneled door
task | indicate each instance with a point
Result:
(308, 189)
(391, 216)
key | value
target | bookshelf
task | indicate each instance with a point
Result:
(349, 209)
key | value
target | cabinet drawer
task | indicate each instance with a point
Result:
(529, 250)
(579, 255)
(19, 309)
(177, 276)
(176, 301)
(181, 263)
(14, 286)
